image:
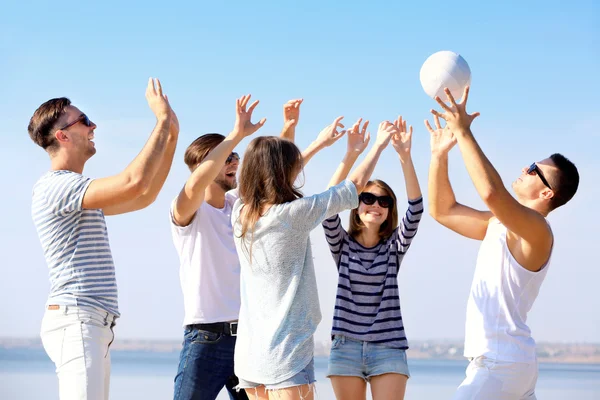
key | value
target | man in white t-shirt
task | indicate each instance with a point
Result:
(513, 259)
(209, 266)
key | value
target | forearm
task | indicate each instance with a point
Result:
(361, 175)
(144, 166)
(288, 133)
(310, 151)
(413, 189)
(210, 167)
(344, 168)
(441, 195)
(163, 169)
(486, 179)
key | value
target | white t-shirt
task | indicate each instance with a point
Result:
(502, 293)
(209, 269)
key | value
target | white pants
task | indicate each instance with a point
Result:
(498, 380)
(77, 340)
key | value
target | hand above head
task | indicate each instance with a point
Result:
(157, 100)
(455, 115)
(330, 134)
(291, 113)
(384, 133)
(402, 140)
(358, 138)
(442, 139)
(243, 117)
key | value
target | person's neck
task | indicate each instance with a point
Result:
(368, 237)
(214, 195)
(536, 206)
(65, 162)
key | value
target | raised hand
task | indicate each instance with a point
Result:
(358, 138)
(402, 140)
(384, 133)
(157, 100)
(442, 139)
(243, 117)
(456, 115)
(330, 134)
(291, 113)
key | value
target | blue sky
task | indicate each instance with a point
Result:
(534, 80)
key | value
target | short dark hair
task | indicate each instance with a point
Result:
(565, 180)
(43, 122)
(199, 149)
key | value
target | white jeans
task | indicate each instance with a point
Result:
(77, 340)
(498, 380)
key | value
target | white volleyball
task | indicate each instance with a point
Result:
(445, 69)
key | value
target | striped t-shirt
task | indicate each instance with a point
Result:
(75, 243)
(367, 305)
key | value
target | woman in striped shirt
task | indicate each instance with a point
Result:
(368, 335)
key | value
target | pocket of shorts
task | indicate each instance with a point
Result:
(337, 342)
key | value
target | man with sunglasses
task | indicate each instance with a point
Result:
(209, 268)
(513, 259)
(68, 211)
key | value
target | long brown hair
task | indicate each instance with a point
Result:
(387, 227)
(269, 169)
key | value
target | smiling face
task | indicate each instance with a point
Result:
(78, 134)
(374, 217)
(227, 178)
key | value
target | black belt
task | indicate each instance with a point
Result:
(226, 328)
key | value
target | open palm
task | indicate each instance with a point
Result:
(442, 139)
(402, 140)
(243, 117)
(358, 138)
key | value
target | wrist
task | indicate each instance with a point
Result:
(405, 157)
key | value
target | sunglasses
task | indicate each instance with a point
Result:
(370, 199)
(535, 170)
(82, 118)
(232, 156)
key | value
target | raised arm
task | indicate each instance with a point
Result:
(291, 116)
(361, 175)
(328, 136)
(526, 223)
(137, 178)
(443, 207)
(358, 139)
(150, 195)
(192, 195)
(402, 143)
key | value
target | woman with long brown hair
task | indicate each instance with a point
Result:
(280, 305)
(368, 334)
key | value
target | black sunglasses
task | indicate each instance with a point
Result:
(370, 199)
(535, 170)
(82, 118)
(231, 157)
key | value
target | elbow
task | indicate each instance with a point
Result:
(359, 185)
(136, 186)
(491, 195)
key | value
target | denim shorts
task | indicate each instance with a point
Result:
(351, 357)
(304, 377)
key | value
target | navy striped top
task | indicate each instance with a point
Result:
(75, 243)
(367, 305)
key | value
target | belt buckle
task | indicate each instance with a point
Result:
(233, 328)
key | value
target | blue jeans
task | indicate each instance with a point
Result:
(206, 366)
